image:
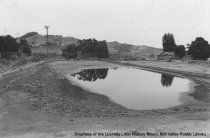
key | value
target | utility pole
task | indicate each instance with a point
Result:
(47, 27)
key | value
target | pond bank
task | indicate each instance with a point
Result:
(40, 101)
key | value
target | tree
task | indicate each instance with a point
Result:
(168, 42)
(8, 46)
(70, 51)
(102, 50)
(199, 49)
(24, 43)
(88, 48)
(93, 48)
(24, 47)
(180, 51)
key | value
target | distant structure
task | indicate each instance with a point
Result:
(47, 27)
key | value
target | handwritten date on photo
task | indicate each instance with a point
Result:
(151, 134)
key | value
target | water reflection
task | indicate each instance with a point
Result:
(91, 74)
(133, 88)
(94, 74)
(166, 80)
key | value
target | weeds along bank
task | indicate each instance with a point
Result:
(18, 62)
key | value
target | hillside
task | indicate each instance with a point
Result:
(56, 40)
(117, 50)
(132, 51)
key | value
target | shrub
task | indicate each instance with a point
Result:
(180, 52)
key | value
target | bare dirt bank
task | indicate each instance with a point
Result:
(41, 102)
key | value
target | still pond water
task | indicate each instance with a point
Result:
(133, 88)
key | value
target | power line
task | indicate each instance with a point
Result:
(47, 27)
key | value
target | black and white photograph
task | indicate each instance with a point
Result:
(104, 69)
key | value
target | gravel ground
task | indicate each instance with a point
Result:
(41, 102)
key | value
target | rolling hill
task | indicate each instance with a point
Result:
(116, 49)
(128, 51)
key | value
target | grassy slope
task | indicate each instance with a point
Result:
(117, 49)
(126, 50)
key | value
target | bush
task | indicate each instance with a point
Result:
(180, 52)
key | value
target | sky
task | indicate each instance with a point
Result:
(138, 22)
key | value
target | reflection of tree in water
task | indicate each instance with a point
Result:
(91, 74)
(166, 80)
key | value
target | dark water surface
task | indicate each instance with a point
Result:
(133, 88)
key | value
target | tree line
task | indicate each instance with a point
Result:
(86, 48)
(198, 49)
(9, 46)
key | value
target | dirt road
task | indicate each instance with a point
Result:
(41, 102)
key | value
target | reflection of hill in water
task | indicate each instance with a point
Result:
(91, 74)
(166, 80)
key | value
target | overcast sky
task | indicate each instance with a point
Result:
(139, 22)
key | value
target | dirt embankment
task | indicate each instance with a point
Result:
(35, 99)
(41, 100)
